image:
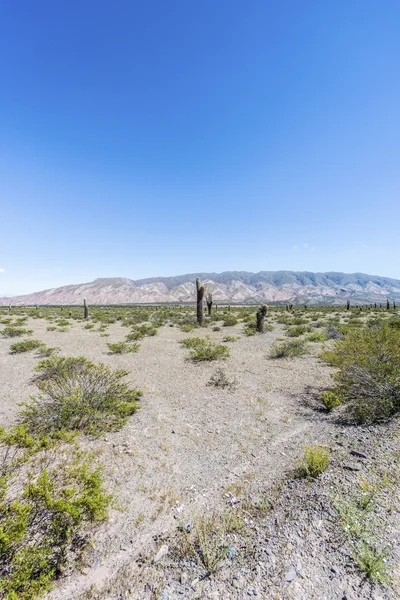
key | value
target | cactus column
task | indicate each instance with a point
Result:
(209, 301)
(200, 295)
(85, 310)
(262, 311)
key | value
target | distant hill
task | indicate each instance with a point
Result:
(230, 286)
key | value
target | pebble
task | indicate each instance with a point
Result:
(160, 554)
(184, 578)
(290, 575)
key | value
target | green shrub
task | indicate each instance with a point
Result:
(192, 342)
(297, 330)
(122, 348)
(230, 338)
(330, 400)
(216, 328)
(333, 332)
(187, 327)
(229, 321)
(315, 337)
(15, 332)
(209, 351)
(75, 394)
(25, 346)
(316, 460)
(203, 349)
(40, 528)
(368, 376)
(290, 349)
(46, 351)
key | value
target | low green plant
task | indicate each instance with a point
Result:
(315, 461)
(361, 521)
(122, 348)
(316, 336)
(230, 338)
(203, 349)
(40, 530)
(78, 395)
(11, 331)
(230, 320)
(290, 349)
(187, 327)
(330, 400)
(47, 351)
(25, 346)
(297, 331)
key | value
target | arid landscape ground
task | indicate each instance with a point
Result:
(208, 498)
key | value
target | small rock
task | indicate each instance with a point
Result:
(290, 575)
(359, 454)
(335, 570)
(299, 567)
(231, 552)
(352, 467)
(184, 578)
(161, 553)
(289, 546)
(195, 582)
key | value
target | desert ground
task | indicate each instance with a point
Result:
(207, 499)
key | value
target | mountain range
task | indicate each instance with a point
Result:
(227, 287)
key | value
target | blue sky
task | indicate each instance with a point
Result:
(158, 138)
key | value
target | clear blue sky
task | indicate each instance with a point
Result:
(160, 137)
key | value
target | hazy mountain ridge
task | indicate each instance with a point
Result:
(230, 286)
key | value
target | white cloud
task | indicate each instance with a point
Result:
(2, 270)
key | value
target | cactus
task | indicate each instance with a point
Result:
(85, 310)
(200, 295)
(348, 304)
(209, 301)
(262, 311)
(387, 305)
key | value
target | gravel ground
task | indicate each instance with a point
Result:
(187, 446)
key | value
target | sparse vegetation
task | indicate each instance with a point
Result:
(25, 346)
(203, 349)
(315, 461)
(289, 349)
(122, 348)
(75, 394)
(368, 376)
(11, 331)
(41, 528)
(330, 400)
(220, 379)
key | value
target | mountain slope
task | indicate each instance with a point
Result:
(230, 286)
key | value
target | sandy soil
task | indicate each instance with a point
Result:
(189, 441)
